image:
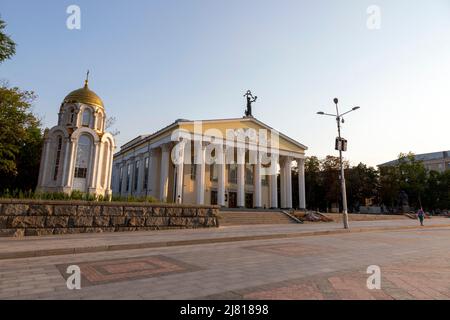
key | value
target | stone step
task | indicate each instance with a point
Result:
(229, 218)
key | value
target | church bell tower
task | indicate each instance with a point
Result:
(77, 153)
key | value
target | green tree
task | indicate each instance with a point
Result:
(444, 190)
(20, 139)
(389, 185)
(437, 191)
(7, 45)
(362, 183)
(28, 160)
(314, 190)
(330, 168)
(412, 174)
(408, 175)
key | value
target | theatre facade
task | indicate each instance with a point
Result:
(229, 162)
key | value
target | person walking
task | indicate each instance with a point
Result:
(421, 215)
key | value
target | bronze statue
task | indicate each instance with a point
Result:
(250, 100)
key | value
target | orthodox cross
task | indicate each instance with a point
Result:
(87, 79)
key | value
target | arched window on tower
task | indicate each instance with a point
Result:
(72, 116)
(58, 157)
(87, 115)
(83, 155)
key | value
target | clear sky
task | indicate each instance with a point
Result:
(156, 61)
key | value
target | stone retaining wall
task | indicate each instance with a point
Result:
(34, 218)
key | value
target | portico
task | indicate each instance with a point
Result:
(229, 162)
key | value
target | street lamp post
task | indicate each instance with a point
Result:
(340, 147)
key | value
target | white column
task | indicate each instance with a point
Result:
(273, 191)
(200, 173)
(257, 182)
(273, 182)
(100, 166)
(65, 170)
(179, 162)
(72, 159)
(221, 176)
(301, 183)
(95, 120)
(288, 170)
(108, 173)
(44, 161)
(93, 163)
(152, 174)
(282, 183)
(164, 181)
(78, 119)
(241, 177)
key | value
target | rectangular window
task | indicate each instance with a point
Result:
(86, 118)
(265, 180)
(136, 175)
(120, 179)
(213, 198)
(146, 166)
(128, 177)
(249, 200)
(213, 172)
(193, 171)
(232, 173)
(248, 174)
(80, 173)
(193, 167)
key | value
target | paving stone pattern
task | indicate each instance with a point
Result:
(415, 264)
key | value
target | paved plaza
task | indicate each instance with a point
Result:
(311, 261)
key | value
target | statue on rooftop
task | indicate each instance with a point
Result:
(250, 100)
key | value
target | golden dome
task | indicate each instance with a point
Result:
(84, 95)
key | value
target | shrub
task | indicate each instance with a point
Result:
(74, 195)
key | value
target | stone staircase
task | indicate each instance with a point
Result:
(248, 217)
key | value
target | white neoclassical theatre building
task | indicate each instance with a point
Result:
(229, 162)
(77, 153)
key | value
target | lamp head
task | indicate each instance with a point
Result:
(355, 108)
(320, 112)
(335, 100)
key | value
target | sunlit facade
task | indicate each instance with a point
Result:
(77, 153)
(229, 173)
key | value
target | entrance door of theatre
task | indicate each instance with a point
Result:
(213, 197)
(249, 200)
(232, 200)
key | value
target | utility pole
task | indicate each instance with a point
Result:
(341, 145)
